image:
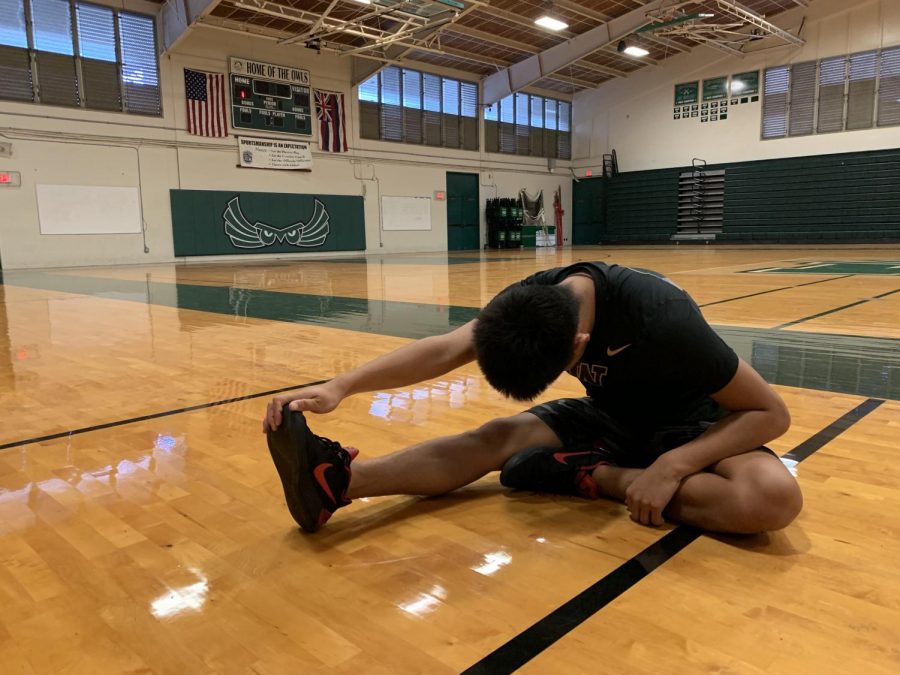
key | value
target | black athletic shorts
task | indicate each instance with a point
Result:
(579, 422)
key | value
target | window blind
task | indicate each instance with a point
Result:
(803, 98)
(861, 91)
(99, 63)
(564, 138)
(55, 56)
(451, 107)
(523, 126)
(431, 115)
(889, 87)
(775, 102)
(410, 106)
(369, 108)
(537, 126)
(832, 78)
(468, 94)
(140, 76)
(15, 62)
(507, 125)
(391, 111)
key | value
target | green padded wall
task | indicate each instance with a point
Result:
(642, 206)
(848, 197)
(588, 210)
(840, 197)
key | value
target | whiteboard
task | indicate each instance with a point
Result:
(405, 213)
(88, 209)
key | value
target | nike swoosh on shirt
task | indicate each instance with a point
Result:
(612, 352)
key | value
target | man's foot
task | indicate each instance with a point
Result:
(314, 471)
(556, 470)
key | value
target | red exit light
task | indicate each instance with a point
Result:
(5, 177)
(588, 173)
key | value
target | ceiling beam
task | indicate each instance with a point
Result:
(524, 47)
(490, 37)
(747, 15)
(501, 84)
(179, 17)
(574, 7)
(402, 33)
(318, 30)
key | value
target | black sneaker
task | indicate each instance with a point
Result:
(556, 470)
(314, 471)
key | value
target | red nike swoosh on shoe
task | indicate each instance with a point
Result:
(561, 456)
(319, 473)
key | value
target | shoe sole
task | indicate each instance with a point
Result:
(285, 444)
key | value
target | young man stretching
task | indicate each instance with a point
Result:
(674, 423)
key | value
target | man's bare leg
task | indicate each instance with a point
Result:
(745, 494)
(445, 464)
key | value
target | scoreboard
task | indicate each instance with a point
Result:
(268, 97)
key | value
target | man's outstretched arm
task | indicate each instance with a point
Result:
(418, 361)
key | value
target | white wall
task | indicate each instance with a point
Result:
(81, 147)
(634, 115)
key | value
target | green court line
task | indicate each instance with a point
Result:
(861, 267)
(858, 365)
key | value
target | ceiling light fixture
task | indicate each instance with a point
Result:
(550, 23)
(631, 50)
(639, 52)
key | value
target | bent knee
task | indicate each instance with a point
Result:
(501, 438)
(770, 502)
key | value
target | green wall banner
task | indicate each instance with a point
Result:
(213, 222)
(715, 88)
(745, 84)
(687, 92)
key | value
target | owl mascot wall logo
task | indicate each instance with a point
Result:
(260, 235)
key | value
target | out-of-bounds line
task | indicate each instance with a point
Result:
(527, 645)
(837, 309)
(153, 416)
(774, 290)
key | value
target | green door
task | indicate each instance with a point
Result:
(587, 211)
(463, 226)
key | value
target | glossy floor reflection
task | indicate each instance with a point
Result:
(162, 545)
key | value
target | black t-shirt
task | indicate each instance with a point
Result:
(652, 358)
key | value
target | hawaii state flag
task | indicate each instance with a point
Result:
(332, 129)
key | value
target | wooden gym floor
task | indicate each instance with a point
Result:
(142, 527)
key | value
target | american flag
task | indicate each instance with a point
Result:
(332, 130)
(205, 96)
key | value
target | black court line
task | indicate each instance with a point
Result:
(530, 643)
(829, 433)
(775, 290)
(153, 416)
(837, 309)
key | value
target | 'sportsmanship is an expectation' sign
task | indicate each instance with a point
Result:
(272, 153)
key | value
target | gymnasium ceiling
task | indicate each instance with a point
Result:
(481, 37)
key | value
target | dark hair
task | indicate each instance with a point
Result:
(525, 338)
